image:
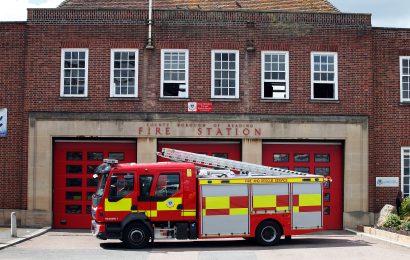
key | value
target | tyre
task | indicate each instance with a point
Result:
(136, 236)
(268, 233)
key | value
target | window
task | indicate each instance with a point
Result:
(280, 157)
(74, 72)
(124, 73)
(225, 74)
(405, 79)
(167, 185)
(275, 76)
(324, 76)
(145, 184)
(121, 185)
(405, 171)
(301, 157)
(174, 73)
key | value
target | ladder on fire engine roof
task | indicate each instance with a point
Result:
(248, 169)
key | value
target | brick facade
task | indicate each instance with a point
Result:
(13, 173)
(368, 74)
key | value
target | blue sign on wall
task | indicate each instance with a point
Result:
(3, 122)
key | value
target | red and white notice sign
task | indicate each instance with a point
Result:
(203, 107)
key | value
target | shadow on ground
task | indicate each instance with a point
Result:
(245, 245)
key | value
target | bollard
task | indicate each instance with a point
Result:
(13, 224)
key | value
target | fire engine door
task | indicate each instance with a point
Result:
(121, 195)
(144, 194)
(165, 199)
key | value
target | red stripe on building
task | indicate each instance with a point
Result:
(310, 208)
(238, 202)
(215, 212)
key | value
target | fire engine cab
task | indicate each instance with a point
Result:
(140, 203)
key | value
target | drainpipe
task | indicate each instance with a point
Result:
(149, 41)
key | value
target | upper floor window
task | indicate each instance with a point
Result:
(124, 73)
(405, 171)
(174, 73)
(225, 74)
(405, 78)
(324, 75)
(74, 72)
(275, 75)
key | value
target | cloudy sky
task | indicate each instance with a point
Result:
(385, 13)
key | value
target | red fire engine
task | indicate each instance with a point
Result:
(140, 203)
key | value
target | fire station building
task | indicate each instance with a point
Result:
(291, 84)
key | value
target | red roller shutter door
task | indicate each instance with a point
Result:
(323, 159)
(74, 164)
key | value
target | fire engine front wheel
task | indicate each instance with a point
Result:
(136, 236)
(268, 233)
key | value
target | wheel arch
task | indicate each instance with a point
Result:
(271, 220)
(138, 217)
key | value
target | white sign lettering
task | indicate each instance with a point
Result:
(387, 181)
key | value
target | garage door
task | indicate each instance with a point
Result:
(74, 164)
(223, 149)
(323, 159)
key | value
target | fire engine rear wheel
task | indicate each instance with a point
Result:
(136, 235)
(268, 233)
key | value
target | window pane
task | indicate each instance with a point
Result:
(301, 157)
(73, 209)
(327, 197)
(74, 169)
(74, 182)
(322, 157)
(73, 195)
(92, 182)
(324, 171)
(281, 157)
(89, 196)
(167, 185)
(221, 155)
(95, 156)
(118, 156)
(145, 185)
(326, 210)
(74, 156)
(123, 185)
(302, 169)
(91, 168)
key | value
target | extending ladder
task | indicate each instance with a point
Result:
(248, 169)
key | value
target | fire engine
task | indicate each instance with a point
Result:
(186, 199)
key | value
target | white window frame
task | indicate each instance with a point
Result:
(402, 99)
(335, 80)
(183, 94)
(404, 150)
(63, 51)
(263, 53)
(112, 85)
(236, 52)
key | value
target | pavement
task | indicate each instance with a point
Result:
(23, 234)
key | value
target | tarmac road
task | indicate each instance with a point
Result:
(329, 245)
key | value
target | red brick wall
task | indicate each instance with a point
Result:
(13, 174)
(200, 32)
(391, 118)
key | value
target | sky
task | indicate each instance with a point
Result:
(385, 13)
